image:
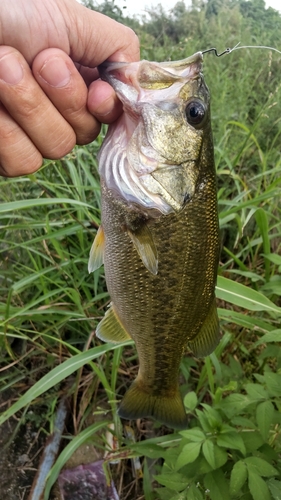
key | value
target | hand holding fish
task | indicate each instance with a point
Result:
(50, 94)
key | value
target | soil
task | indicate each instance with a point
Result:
(20, 448)
(22, 445)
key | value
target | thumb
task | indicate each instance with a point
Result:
(94, 37)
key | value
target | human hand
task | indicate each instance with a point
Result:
(50, 95)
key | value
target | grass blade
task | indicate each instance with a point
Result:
(56, 375)
(243, 296)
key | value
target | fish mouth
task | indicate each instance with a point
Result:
(128, 78)
(181, 67)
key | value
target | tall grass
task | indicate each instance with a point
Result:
(50, 305)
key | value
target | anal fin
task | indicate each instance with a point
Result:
(145, 246)
(96, 252)
(209, 335)
(110, 329)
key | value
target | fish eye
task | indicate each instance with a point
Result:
(195, 113)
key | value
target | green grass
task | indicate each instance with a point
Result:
(50, 305)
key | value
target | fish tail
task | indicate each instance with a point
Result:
(138, 403)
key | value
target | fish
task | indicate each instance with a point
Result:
(159, 234)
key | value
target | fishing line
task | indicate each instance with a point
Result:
(237, 47)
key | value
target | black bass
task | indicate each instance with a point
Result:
(159, 237)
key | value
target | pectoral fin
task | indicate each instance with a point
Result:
(145, 246)
(96, 252)
(110, 329)
(208, 337)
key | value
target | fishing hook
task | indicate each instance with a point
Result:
(226, 51)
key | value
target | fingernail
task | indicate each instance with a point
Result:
(55, 72)
(11, 70)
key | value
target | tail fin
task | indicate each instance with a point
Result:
(168, 410)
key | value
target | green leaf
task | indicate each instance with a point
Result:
(273, 257)
(243, 296)
(244, 320)
(275, 488)
(268, 453)
(221, 456)
(212, 415)
(208, 449)
(178, 496)
(256, 391)
(232, 440)
(193, 493)
(238, 477)
(215, 456)
(264, 415)
(272, 287)
(260, 378)
(274, 336)
(171, 457)
(273, 383)
(258, 487)
(194, 434)
(271, 351)
(146, 449)
(197, 468)
(173, 480)
(188, 454)
(234, 404)
(243, 422)
(252, 440)
(204, 421)
(190, 401)
(217, 485)
(164, 493)
(261, 467)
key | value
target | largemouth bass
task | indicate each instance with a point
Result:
(159, 236)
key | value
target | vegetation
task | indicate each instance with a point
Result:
(50, 306)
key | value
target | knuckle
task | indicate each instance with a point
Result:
(8, 130)
(27, 104)
(75, 108)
